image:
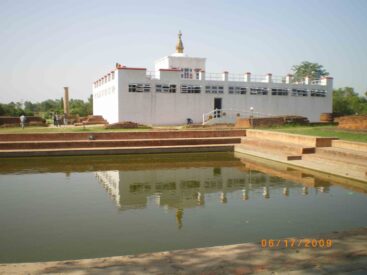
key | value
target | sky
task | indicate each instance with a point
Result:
(46, 45)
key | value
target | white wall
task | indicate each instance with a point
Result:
(105, 100)
(174, 108)
(170, 62)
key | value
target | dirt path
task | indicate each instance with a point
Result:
(348, 254)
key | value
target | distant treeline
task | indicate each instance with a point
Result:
(48, 107)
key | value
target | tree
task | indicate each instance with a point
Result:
(47, 108)
(347, 102)
(308, 69)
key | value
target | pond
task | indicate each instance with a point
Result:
(86, 207)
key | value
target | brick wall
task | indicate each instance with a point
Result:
(353, 122)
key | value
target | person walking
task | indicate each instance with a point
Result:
(57, 120)
(22, 121)
(54, 119)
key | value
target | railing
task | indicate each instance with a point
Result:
(242, 78)
(258, 78)
(278, 79)
(214, 76)
(236, 77)
(230, 115)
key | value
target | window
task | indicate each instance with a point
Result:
(259, 91)
(298, 92)
(164, 88)
(186, 73)
(237, 90)
(214, 89)
(190, 89)
(172, 88)
(139, 88)
(320, 93)
(197, 75)
(279, 92)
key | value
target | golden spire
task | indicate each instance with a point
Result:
(179, 45)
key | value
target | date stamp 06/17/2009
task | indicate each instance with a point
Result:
(296, 243)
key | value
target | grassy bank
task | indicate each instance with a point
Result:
(69, 129)
(323, 131)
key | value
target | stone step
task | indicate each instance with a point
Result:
(352, 145)
(344, 155)
(266, 152)
(116, 143)
(306, 141)
(342, 169)
(117, 150)
(316, 158)
(123, 135)
(276, 146)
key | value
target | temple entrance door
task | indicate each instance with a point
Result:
(217, 106)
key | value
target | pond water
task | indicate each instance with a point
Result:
(87, 207)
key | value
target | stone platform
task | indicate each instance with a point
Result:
(330, 155)
(66, 144)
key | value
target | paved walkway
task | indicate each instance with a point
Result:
(347, 255)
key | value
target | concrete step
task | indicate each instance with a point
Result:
(341, 169)
(116, 143)
(351, 145)
(316, 158)
(306, 141)
(117, 150)
(282, 147)
(344, 155)
(309, 161)
(122, 135)
(266, 152)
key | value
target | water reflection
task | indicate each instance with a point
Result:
(188, 187)
(184, 200)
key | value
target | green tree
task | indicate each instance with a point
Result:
(308, 69)
(347, 102)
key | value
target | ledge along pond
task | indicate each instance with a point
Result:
(87, 207)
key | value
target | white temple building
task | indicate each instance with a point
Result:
(180, 89)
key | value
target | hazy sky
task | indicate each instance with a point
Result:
(46, 45)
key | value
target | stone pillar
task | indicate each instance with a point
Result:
(269, 78)
(202, 75)
(66, 100)
(327, 81)
(289, 79)
(225, 76)
(248, 77)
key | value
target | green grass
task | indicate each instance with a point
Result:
(76, 129)
(323, 131)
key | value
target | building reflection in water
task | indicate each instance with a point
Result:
(181, 188)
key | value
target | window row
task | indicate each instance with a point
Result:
(279, 91)
(105, 79)
(139, 88)
(196, 89)
(214, 89)
(191, 89)
(237, 90)
(258, 91)
(164, 88)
